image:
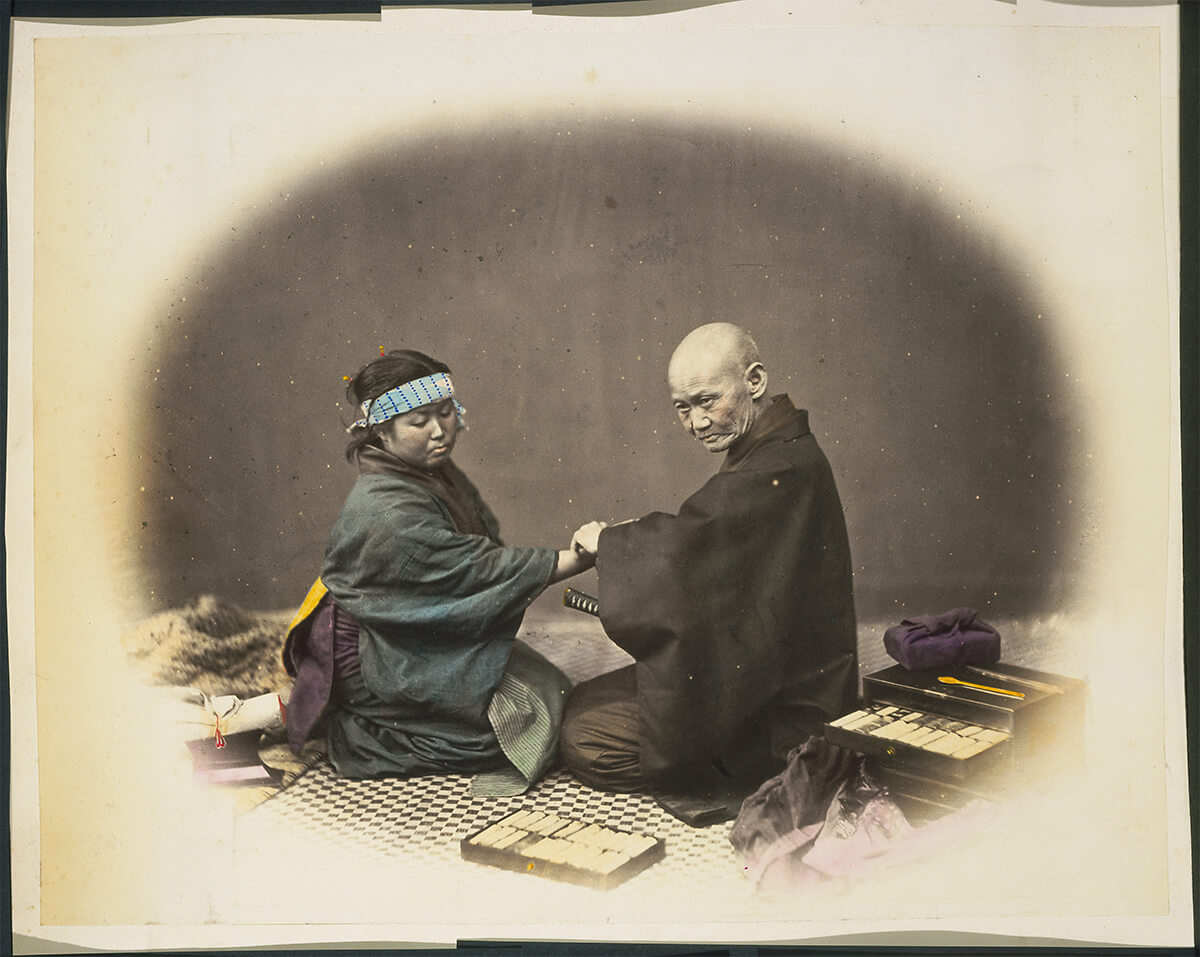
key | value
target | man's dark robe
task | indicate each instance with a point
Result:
(739, 613)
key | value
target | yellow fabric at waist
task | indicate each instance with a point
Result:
(310, 603)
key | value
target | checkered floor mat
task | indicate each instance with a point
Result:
(327, 850)
(380, 833)
(422, 820)
(577, 645)
(388, 819)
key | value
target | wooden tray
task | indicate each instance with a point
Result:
(562, 849)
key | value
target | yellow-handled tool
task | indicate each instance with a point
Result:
(947, 680)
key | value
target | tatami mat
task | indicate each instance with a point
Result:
(394, 819)
(422, 820)
(389, 848)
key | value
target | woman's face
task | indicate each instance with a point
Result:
(423, 437)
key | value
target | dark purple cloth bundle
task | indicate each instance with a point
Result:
(955, 637)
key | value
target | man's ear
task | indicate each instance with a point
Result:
(756, 380)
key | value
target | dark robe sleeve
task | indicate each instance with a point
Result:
(739, 613)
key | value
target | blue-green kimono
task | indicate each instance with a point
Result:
(416, 559)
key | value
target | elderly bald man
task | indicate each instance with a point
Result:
(738, 611)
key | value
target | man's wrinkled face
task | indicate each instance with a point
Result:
(712, 398)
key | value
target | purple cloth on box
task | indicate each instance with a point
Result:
(955, 637)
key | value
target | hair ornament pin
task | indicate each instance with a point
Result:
(381, 352)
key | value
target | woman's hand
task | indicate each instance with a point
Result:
(581, 555)
(587, 538)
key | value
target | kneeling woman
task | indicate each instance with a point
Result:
(406, 643)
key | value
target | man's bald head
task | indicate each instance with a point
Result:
(718, 343)
(718, 384)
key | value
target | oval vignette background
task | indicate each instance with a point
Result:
(554, 266)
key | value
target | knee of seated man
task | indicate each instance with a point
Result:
(576, 741)
(592, 755)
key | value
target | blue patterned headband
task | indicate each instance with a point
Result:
(406, 397)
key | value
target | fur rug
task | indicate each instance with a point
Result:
(213, 646)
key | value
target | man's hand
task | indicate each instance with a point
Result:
(587, 537)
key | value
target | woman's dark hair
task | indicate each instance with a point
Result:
(379, 376)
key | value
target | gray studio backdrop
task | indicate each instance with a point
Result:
(554, 267)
